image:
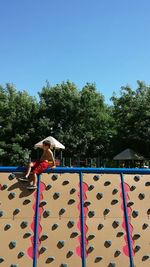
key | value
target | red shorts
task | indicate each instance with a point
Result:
(39, 166)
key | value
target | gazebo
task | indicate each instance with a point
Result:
(129, 158)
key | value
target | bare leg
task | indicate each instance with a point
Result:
(34, 179)
(29, 169)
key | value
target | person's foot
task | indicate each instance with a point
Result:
(32, 187)
(25, 179)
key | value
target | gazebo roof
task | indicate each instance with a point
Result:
(128, 154)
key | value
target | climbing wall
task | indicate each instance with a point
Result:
(16, 222)
(60, 234)
(59, 224)
(138, 201)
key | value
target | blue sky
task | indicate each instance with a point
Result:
(101, 41)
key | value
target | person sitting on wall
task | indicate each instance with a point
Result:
(39, 166)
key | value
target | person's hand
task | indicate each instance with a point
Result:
(53, 167)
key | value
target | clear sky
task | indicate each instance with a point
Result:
(101, 41)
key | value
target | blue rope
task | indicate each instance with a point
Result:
(127, 221)
(82, 221)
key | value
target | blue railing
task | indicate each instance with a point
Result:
(81, 171)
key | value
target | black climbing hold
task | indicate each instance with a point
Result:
(114, 201)
(46, 213)
(90, 249)
(135, 213)
(7, 226)
(26, 235)
(1, 259)
(90, 237)
(50, 259)
(56, 195)
(148, 212)
(43, 203)
(98, 259)
(70, 253)
(61, 244)
(49, 186)
(14, 265)
(64, 265)
(112, 264)
(54, 177)
(91, 213)
(62, 211)
(147, 184)
(96, 177)
(106, 211)
(87, 203)
(136, 236)
(100, 226)
(21, 254)
(72, 191)
(108, 243)
(107, 183)
(137, 248)
(145, 257)
(11, 176)
(130, 203)
(91, 187)
(115, 224)
(141, 196)
(44, 237)
(43, 249)
(65, 182)
(74, 234)
(133, 187)
(117, 253)
(145, 225)
(12, 195)
(70, 224)
(16, 211)
(55, 226)
(137, 178)
(99, 196)
(5, 186)
(115, 191)
(119, 234)
(71, 201)
(1, 213)
(26, 201)
(12, 244)
(24, 224)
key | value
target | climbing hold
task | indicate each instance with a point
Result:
(136, 236)
(96, 177)
(71, 201)
(43, 203)
(91, 213)
(141, 196)
(90, 249)
(145, 225)
(87, 203)
(115, 224)
(114, 201)
(14, 265)
(70, 224)
(43, 249)
(135, 213)
(62, 211)
(1, 213)
(24, 224)
(115, 191)
(70, 253)
(100, 226)
(119, 234)
(106, 211)
(60, 244)
(91, 187)
(26, 235)
(7, 226)
(44, 237)
(49, 186)
(147, 184)
(112, 264)
(99, 196)
(108, 243)
(107, 183)
(137, 248)
(90, 237)
(130, 203)
(148, 211)
(56, 195)
(26, 201)
(64, 265)
(12, 244)
(117, 253)
(133, 187)
(74, 234)
(55, 226)
(12, 195)
(145, 257)
(98, 259)
(21, 254)
(50, 259)
(73, 190)
(5, 186)
(46, 213)
(11, 176)
(65, 182)
(16, 211)
(1, 259)
(54, 177)
(137, 178)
